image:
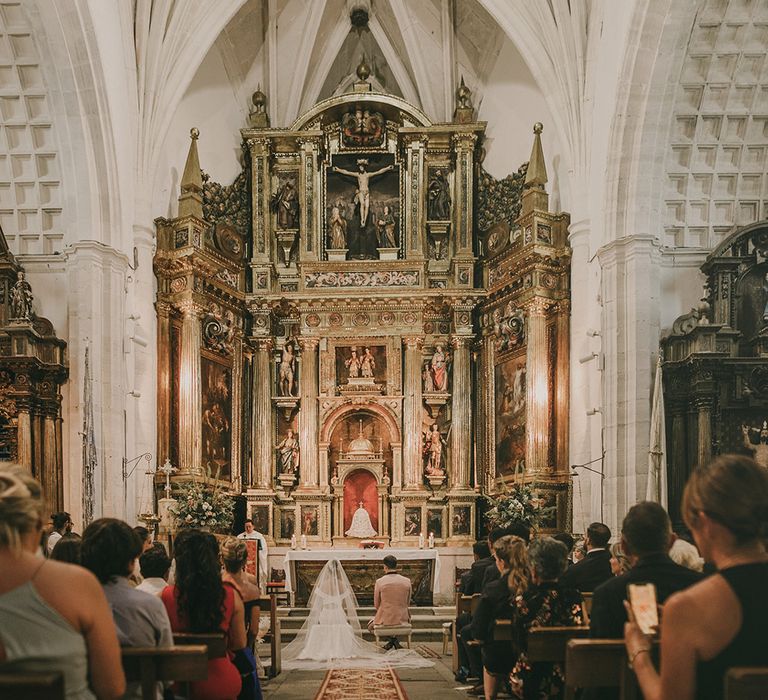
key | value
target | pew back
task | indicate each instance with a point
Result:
(549, 643)
(746, 684)
(149, 665)
(216, 643)
(38, 686)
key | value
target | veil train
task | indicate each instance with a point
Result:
(331, 636)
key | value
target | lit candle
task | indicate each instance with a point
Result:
(293, 541)
(421, 540)
(431, 540)
(303, 541)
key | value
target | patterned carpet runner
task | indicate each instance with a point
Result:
(361, 684)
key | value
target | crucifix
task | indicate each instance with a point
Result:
(167, 469)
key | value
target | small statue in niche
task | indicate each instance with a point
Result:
(433, 452)
(760, 447)
(335, 477)
(287, 371)
(438, 370)
(337, 228)
(363, 177)
(288, 453)
(353, 365)
(367, 364)
(426, 378)
(386, 226)
(285, 203)
(21, 298)
(438, 197)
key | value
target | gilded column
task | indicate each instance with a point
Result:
(465, 146)
(262, 235)
(190, 397)
(413, 477)
(237, 401)
(562, 386)
(24, 427)
(262, 437)
(164, 382)
(704, 425)
(461, 426)
(308, 465)
(53, 485)
(416, 215)
(309, 186)
(537, 388)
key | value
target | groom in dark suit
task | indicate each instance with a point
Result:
(595, 568)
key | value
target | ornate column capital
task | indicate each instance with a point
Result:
(263, 344)
(538, 307)
(461, 341)
(308, 343)
(413, 342)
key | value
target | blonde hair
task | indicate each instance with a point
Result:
(234, 554)
(21, 505)
(511, 550)
(733, 491)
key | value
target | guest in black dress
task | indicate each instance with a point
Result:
(498, 603)
(546, 603)
(720, 622)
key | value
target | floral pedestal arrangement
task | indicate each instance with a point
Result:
(203, 505)
(518, 505)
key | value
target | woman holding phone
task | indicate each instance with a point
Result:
(720, 622)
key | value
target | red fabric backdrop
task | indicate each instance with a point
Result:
(360, 485)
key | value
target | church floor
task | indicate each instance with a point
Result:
(419, 684)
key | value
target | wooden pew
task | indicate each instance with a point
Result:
(216, 643)
(276, 585)
(27, 686)
(464, 604)
(274, 635)
(151, 665)
(596, 663)
(746, 684)
(550, 643)
(587, 606)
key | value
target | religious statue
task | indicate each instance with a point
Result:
(386, 226)
(353, 365)
(337, 229)
(21, 298)
(361, 524)
(285, 203)
(287, 370)
(438, 198)
(426, 378)
(363, 194)
(438, 370)
(367, 364)
(760, 448)
(362, 127)
(288, 451)
(335, 477)
(433, 452)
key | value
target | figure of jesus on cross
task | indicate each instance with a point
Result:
(363, 178)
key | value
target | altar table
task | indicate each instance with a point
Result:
(363, 567)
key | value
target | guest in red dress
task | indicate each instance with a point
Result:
(199, 603)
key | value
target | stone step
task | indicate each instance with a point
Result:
(442, 611)
(418, 636)
(419, 622)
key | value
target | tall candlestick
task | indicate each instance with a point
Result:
(431, 540)
(421, 540)
(303, 541)
(293, 541)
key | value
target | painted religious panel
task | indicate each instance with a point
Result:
(510, 415)
(362, 210)
(435, 522)
(260, 517)
(285, 201)
(309, 518)
(412, 522)
(217, 416)
(361, 364)
(287, 523)
(461, 522)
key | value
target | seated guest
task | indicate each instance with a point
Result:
(620, 562)
(155, 566)
(685, 554)
(61, 524)
(593, 569)
(517, 530)
(54, 617)
(110, 549)
(721, 621)
(646, 535)
(147, 540)
(568, 541)
(67, 549)
(391, 598)
(472, 580)
(200, 602)
(498, 603)
(234, 555)
(546, 603)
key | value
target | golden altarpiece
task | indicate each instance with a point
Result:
(351, 323)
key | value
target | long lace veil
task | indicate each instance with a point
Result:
(331, 636)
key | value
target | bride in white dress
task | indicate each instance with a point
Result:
(332, 637)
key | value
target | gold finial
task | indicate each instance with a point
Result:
(538, 127)
(465, 111)
(258, 117)
(194, 133)
(363, 70)
(190, 201)
(536, 177)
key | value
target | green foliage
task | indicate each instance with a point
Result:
(203, 504)
(520, 504)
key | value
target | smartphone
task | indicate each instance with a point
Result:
(642, 598)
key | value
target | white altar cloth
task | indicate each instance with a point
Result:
(376, 555)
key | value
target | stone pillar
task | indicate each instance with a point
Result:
(190, 397)
(309, 187)
(537, 389)
(262, 437)
(413, 477)
(24, 427)
(308, 448)
(461, 426)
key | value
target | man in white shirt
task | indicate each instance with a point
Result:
(251, 534)
(155, 566)
(62, 525)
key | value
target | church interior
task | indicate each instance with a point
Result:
(352, 279)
